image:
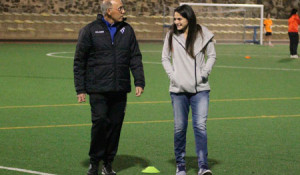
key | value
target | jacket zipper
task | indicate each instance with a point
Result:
(115, 67)
(196, 76)
(114, 48)
(115, 57)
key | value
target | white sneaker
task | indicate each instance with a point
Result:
(180, 170)
(204, 172)
(294, 56)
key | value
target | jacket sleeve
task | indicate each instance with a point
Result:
(136, 65)
(166, 58)
(80, 60)
(211, 59)
(297, 19)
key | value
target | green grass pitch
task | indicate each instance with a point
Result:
(253, 125)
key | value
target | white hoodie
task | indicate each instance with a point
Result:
(184, 72)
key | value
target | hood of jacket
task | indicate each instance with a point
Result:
(200, 42)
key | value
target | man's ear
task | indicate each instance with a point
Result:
(108, 11)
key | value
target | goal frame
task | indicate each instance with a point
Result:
(236, 5)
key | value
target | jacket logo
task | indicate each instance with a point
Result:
(102, 31)
(122, 30)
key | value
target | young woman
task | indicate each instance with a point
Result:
(294, 21)
(183, 58)
(268, 29)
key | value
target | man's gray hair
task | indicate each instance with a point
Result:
(106, 4)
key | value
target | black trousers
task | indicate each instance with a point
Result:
(294, 40)
(108, 111)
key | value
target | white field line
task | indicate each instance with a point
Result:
(257, 68)
(57, 55)
(24, 171)
(240, 67)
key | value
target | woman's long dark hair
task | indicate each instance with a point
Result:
(294, 11)
(193, 28)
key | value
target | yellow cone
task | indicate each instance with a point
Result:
(150, 169)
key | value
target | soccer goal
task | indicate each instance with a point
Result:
(232, 22)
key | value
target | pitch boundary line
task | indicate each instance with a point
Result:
(53, 54)
(158, 121)
(240, 67)
(153, 102)
(24, 171)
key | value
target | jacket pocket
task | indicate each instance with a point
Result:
(199, 74)
(175, 80)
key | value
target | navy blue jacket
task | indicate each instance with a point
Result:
(101, 65)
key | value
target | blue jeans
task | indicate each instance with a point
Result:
(199, 104)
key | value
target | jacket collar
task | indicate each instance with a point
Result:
(180, 39)
(100, 16)
(200, 42)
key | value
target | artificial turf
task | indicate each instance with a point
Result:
(253, 123)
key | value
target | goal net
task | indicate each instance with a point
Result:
(229, 22)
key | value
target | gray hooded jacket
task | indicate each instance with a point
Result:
(184, 72)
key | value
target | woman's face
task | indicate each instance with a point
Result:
(180, 22)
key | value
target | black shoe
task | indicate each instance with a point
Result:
(93, 169)
(107, 170)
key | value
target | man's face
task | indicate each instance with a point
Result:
(117, 11)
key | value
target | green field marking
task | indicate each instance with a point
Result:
(156, 121)
(153, 102)
(40, 106)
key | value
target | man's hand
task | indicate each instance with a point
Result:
(81, 97)
(138, 91)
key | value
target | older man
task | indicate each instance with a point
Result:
(106, 52)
